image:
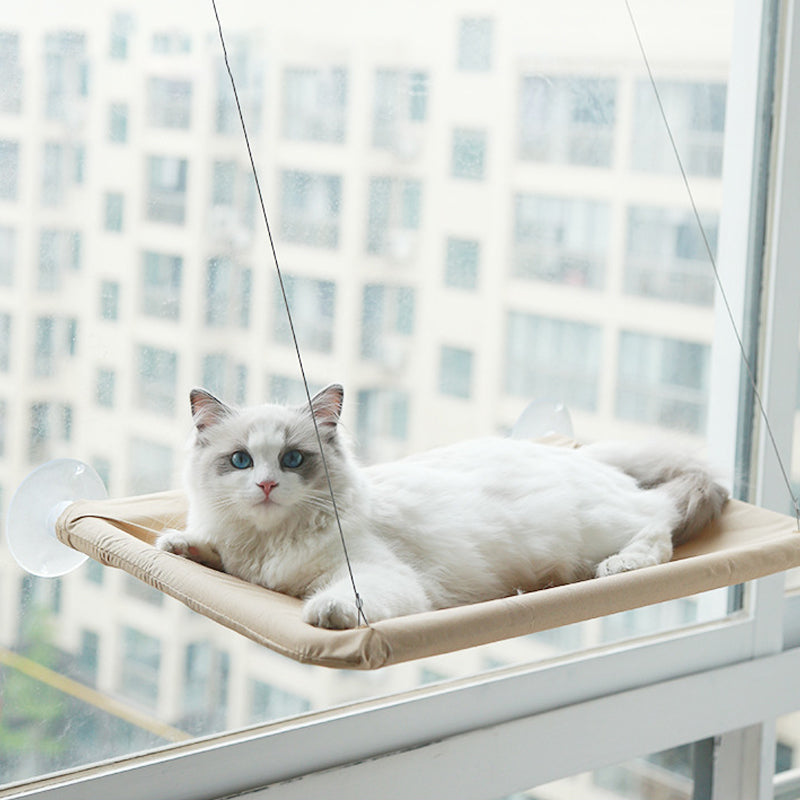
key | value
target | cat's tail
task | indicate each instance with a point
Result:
(697, 495)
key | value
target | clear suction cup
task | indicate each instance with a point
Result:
(542, 418)
(36, 506)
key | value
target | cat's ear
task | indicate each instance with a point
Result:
(206, 409)
(327, 404)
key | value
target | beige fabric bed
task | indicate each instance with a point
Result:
(746, 543)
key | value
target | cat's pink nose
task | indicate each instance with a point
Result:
(267, 487)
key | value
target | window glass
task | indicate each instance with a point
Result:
(471, 212)
(561, 239)
(462, 263)
(475, 44)
(169, 103)
(469, 154)
(567, 119)
(315, 104)
(667, 774)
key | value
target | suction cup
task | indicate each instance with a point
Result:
(36, 506)
(540, 418)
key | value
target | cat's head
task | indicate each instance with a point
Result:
(262, 464)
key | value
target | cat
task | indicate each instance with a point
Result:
(459, 524)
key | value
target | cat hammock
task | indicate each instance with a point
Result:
(744, 544)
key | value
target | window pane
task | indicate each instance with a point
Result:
(471, 211)
(314, 104)
(469, 154)
(475, 44)
(567, 120)
(561, 239)
(668, 774)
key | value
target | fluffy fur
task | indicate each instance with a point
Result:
(459, 524)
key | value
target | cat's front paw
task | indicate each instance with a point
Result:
(327, 610)
(613, 565)
(177, 542)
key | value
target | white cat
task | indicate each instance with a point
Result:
(459, 524)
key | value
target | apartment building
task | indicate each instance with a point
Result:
(469, 214)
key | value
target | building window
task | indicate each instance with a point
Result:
(118, 123)
(5, 342)
(469, 154)
(140, 665)
(229, 289)
(387, 322)
(88, 660)
(166, 189)
(102, 467)
(233, 203)
(553, 359)
(567, 120)
(121, 29)
(312, 303)
(224, 378)
(666, 256)
(149, 467)
(475, 44)
(696, 113)
(106, 383)
(55, 338)
(171, 42)
(161, 285)
(114, 208)
(66, 73)
(395, 210)
(290, 391)
(11, 70)
(205, 684)
(142, 591)
(455, 372)
(662, 381)
(49, 423)
(244, 57)
(9, 169)
(169, 103)
(311, 208)
(461, 263)
(223, 183)
(109, 300)
(382, 415)
(399, 106)
(269, 702)
(53, 178)
(563, 240)
(315, 104)
(8, 255)
(157, 373)
(59, 253)
(93, 571)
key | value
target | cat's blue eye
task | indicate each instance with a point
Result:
(241, 459)
(292, 459)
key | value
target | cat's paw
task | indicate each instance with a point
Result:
(177, 542)
(613, 565)
(327, 610)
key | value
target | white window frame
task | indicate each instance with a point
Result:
(521, 726)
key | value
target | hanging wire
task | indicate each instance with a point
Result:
(713, 261)
(358, 600)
